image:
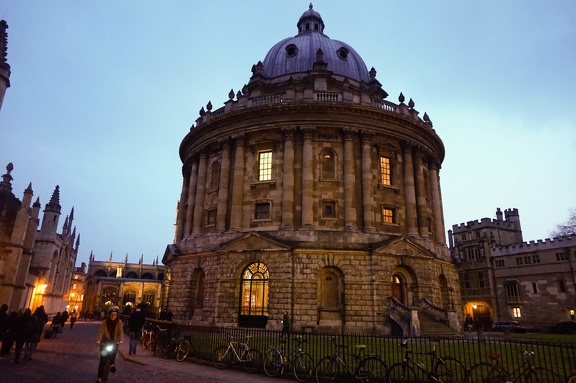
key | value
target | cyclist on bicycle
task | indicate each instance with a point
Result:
(110, 333)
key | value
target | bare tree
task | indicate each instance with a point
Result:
(567, 228)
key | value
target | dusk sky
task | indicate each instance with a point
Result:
(103, 92)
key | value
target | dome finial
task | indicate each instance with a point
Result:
(310, 6)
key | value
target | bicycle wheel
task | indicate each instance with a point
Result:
(571, 379)
(303, 367)
(326, 370)
(252, 360)
(182, 350)
(484, 373)
(372, 369)
(222, 357)
(450, 370)
(106, 370)
(273, 362)
(543, 375)
(166, 349)
(400, 372)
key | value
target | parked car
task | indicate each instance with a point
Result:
(511, 326)
(568, 327)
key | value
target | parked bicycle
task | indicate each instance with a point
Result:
(276, 361)
(249, 358)
(363, 368)
(175, 347)
(442, 369)
(494, 372)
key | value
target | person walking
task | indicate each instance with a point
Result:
(56, 323)
(39, 319)
(3, 320)
(72, 319)
(22, 332)
(285, 324)
(9, 334)
(135, 323)
(110, 332)
(63, 320)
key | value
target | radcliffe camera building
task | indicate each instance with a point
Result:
(309, 192)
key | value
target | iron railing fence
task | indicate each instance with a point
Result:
(559, 356)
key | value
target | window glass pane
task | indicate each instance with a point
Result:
(265, 166)
(388, 215)
(385, 178)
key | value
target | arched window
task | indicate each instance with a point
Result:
(147, 276)
(129, 297)
(398, 288)
(328, 164)
(196, 292)
(330, 294)
(254, 292)
(214, 176)
(110, 296)
(100, 273)
(132, 275)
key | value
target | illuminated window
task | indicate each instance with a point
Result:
(385, 173)
(265, 165)
(516, 312)
(388, 215)
(328, 163)
(254, 290)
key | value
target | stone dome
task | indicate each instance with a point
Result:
(298, 54)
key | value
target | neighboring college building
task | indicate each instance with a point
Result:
(310, 192)
(36, 266)
(123, 284)
(504, 278)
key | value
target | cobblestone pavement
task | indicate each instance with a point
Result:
(73, 357)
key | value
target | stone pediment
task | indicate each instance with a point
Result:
(263, 139)
(254, 242)
(170, 252)
(403, 246)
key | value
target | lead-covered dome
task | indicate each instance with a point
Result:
(298, 53)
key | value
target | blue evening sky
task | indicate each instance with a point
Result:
(102, 93)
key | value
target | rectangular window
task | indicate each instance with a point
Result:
(388, 215)
(516, 312)
(262, 210)
(265, 165)
(535, 258)
(328, 209)
(211, 217)
(512, 292)
(527, 260)
(561, 286)
(563, 256)
(385, 173)
(499, 263)
(519, 261)
(535, 287)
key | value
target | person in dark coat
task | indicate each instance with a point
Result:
(3, 320)
(39, 319)
(56, 321)
(63, 320)
(9, 338)
(135, 323)
(22, 331)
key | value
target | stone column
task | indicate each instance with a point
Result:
(200, 193)
(237, 185)
(439, 235)
(367, 196)
(191, 197)
(409, 190)
(223, 187)
(181, 216)
(349, 181)
(420, 195)
(288, 179)
(307, 179)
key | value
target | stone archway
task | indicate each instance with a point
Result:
(482, 314)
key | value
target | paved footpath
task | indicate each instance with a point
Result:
(73, 357)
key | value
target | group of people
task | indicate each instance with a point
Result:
(21, 329)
